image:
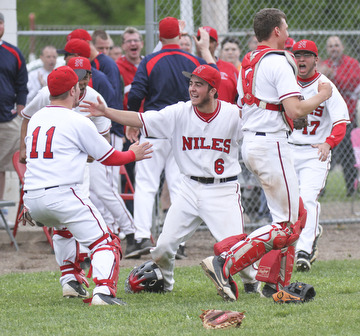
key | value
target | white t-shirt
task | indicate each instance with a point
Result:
(321, 121)
(37, 79)
(42, 99)
(201, 148)
(275, 80)
(58, 142)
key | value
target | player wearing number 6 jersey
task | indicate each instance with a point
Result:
(204, 134)
(58, 143)
(312, 145)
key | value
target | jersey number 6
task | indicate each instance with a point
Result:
(48, 154)
(219, 166)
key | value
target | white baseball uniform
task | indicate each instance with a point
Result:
(207, 155)
(58, 142)
(312, 172)
(96, 180)
(265, 148)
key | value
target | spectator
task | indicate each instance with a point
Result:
(231, 51)
(102, 41)
(38, 77)
(186, 43)
(13, 92)
(115, 52)
(344, 72)
(160, 81)
(252, 43)
(289, 43)
(229, 73)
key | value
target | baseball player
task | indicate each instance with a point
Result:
(96, 182)
(204, 134)
(312, 146)
(269, 96)
(58, 143)
(159, 80)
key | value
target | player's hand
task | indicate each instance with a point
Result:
(95, 109)
(203, 43)
(142, 151)
(323, 150)
(325, 89)
(132, 133)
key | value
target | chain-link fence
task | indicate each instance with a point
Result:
(315, 20)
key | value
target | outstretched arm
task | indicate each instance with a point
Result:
(128, 118)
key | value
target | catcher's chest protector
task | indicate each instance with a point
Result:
(249, 68)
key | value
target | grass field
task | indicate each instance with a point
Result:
(31, 304)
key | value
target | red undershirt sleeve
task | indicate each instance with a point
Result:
(337, 134)
(118, 158)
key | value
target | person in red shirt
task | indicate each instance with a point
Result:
(344, 72)
(229, 73)
(132, 44)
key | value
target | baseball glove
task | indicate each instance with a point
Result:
(296, 292)
(300, 123)
(221, 319)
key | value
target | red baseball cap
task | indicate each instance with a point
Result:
(81, 34)
(212, 32)
(76, 46)
(169, 27)
(79, 63)
(305, 45)
(206, 72)
(63, 78)
(289, 43)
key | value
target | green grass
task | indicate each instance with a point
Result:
(31, 304)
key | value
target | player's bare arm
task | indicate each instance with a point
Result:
(296, 108)
(132, 133)
(24, 125)
(128, 118)
(323, 150)
(202, 46)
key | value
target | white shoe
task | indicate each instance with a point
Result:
(74, 289)
(100, 299)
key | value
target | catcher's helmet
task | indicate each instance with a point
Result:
(147, 277)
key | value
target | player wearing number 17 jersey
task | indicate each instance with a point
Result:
(312, 145)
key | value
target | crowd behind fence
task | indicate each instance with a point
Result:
(313, 20)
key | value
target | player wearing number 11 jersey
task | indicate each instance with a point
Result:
(312, 145)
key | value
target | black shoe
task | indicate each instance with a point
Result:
(180, 254)
(268, 290)
(303, 263)
(143, 247)
(213, 268)
(105, 300)
(74, 289)
(251, 288)
(130, 249)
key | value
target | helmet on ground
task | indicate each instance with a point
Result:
(147, 277)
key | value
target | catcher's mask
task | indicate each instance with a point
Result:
(147, 277)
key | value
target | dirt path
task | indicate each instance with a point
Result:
(337, 242)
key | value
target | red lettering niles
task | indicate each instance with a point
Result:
(221, 145)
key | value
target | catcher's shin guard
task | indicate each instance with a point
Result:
(242, 256)
(258, 243)
(114, 246)
(286, 266)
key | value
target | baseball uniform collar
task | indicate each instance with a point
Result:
(171, 46)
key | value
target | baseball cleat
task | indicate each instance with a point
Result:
(315, 250)
(251, 288)
(100, 299)
(74, 289)
(141, 248)
(213, 268)
(268, 291)
(303, 263)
